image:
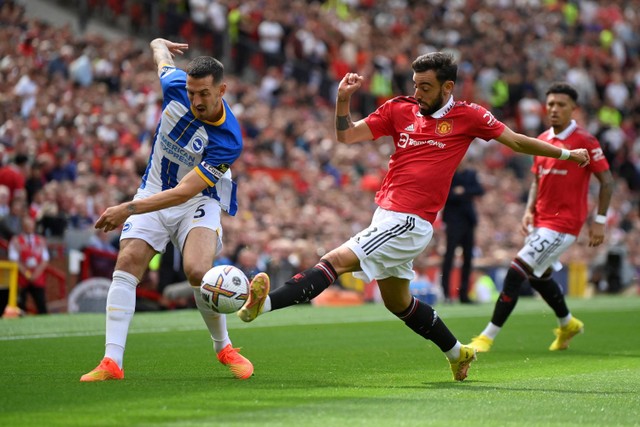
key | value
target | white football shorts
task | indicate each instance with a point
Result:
(389, 245)
(542, 249)
(175, 223)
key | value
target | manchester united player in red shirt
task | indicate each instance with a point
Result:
(431, 132)
(556, 211)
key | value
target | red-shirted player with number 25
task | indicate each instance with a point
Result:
(431, 133)
(556, 211)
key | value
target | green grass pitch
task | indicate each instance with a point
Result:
(321, 366)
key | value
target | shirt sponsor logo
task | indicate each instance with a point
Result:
(444, 127)
(551, 171)
(176, 152)
(405, 140)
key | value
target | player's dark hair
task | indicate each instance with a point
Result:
(203, 66)
(442, 63)
(565, 88)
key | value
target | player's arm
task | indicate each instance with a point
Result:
(530, 208)
(191, 185)
(164, 51)
(596, 231)
(525, 144)
(346, 130)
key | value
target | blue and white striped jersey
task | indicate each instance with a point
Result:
(182, 142)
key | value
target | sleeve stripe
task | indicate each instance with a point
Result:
(203, 176)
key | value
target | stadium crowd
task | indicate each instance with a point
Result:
(77, 110)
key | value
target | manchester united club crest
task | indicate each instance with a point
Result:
(444, 127)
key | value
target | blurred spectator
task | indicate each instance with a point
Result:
(531, 112)
(278, 264)
(64, 167)
(102, 241)
(247, 261)
(100, 254)
(59, 64)
(11, 224)
(14, 174)
(616, 92)
(35, 182)
(4, 200)
(27, 90)
(30, 252)
(81, 70)
(270, 38)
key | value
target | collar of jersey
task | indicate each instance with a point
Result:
(442, 111)
(565, 133)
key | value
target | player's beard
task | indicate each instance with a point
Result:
(435, 105)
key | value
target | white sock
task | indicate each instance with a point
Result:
(454, 353)
(564, 321)
(121, 304)
(491, 331)
(267, 305)
(216, 322)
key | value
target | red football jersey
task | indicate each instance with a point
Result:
(427, 151)
(563, 186)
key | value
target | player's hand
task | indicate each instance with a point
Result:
(596, 234)
(176, 48)
(580, 156)
(173, 47)
(527, 223)
(112, 218)
(349, 84)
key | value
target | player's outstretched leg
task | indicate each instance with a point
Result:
(258, 292)
(239, 365)
(565, 333)
(108, 369)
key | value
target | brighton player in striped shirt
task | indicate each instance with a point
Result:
(185, 188)
(555, 213)
(431, 132)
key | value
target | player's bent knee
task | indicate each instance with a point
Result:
(194, 276)
(343, 260)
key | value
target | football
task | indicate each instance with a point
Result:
(224, 288)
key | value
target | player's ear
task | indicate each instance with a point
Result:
(448, 87)
(223, 89)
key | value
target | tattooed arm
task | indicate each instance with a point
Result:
(346, 130)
